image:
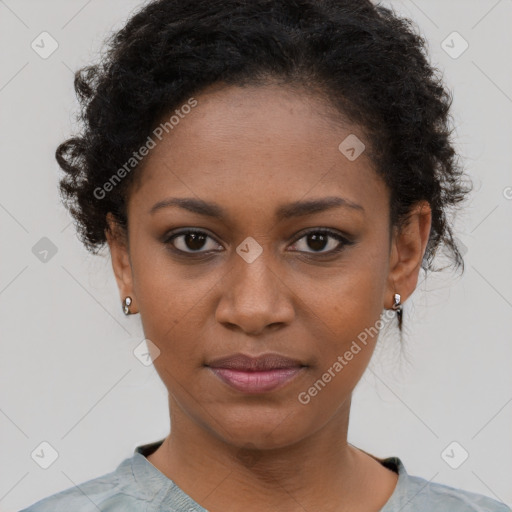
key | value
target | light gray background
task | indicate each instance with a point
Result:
(68, 374)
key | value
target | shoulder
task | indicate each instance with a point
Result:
(116, 490)
(450, 499)
(417, 494)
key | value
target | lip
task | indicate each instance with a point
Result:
(263, 362)
(259, 374)
(257, 381)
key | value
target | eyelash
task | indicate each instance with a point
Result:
(322, 231)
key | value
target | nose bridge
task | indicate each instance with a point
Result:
(255, 278)
(254, 296)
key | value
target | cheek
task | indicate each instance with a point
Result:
(176, 310)
(351, 299)
(347, 311)
(169, 293)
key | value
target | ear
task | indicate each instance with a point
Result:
(121, 263)
(407, 250)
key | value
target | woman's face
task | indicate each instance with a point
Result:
(256, 283)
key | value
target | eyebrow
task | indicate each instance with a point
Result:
(287, 211)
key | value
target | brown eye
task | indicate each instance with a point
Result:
(319, 240)
(192, 241)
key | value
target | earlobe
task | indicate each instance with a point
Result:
(409, 245)
(120, 257)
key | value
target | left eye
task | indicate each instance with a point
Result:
(319, 240)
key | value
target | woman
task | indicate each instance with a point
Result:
(270, 177)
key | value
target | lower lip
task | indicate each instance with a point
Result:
(257, 382)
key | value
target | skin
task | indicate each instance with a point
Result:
(251, 150)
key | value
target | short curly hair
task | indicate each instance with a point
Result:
(368, 62)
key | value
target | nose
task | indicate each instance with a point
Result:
(254, 298)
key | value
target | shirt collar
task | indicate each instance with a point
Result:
(163, 491)
(164, 494)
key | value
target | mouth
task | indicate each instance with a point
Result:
(260, 374)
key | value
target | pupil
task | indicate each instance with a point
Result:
(318, 241)
(192, 241)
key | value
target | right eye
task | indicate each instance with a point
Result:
(191, 241)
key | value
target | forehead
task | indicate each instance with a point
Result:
(257, 145)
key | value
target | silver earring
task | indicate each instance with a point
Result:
(126, 305)
(397, 306)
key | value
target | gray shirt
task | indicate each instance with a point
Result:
(136, 486)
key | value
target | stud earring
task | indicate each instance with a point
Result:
(126, 305)
(397, 306)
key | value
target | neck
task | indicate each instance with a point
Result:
(320, 472)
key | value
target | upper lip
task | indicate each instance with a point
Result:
(255, 363)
